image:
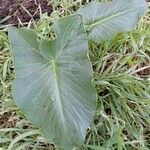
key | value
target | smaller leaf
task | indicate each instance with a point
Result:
(104, 20)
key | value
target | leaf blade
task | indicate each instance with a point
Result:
(104, 20)
(54, 86)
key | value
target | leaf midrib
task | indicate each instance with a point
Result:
(57, 98)
(110, 17)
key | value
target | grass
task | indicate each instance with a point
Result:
(122, 79)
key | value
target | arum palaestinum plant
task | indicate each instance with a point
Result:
(53, 84)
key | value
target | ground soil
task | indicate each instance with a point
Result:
(15, 10)
(145, 72)
(8, 120)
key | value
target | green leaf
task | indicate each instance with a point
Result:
(104, 20)
(53, 81)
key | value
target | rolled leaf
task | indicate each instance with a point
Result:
(103, 20)
(53, 81)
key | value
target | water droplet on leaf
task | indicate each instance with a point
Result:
(66, 94)
(53, 99)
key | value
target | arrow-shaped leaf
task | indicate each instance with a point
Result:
(53, 81)
(104, 20)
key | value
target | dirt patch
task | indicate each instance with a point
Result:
(144, 72)
(13, 11)
(8, 120)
